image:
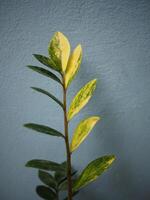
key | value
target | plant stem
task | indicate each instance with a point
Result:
(57, 194)
(67, 141)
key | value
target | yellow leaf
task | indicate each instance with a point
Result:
(59, 50)
(73, 65)
(93, 170)
(81, 98)
(82, 131)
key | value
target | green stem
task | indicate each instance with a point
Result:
(57, 194)
(67, 141)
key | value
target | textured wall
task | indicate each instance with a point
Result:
(115, 36)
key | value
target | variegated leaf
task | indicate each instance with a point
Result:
(93, 171)
(59, 50)
(81, 98)
(82, 131)
(73, 65)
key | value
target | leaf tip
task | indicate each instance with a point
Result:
(29, 66)
(95, 80)
(27, 164)
(35, 55)
(33, 88)
(24, 125)
(79, 46)
(112, 159)
(27, 125)
(97, 118)
(61, 34)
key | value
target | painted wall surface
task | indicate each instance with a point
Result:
(115, 35)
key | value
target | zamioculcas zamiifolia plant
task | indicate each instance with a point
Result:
(55, 176)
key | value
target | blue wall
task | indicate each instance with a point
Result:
(115, 36)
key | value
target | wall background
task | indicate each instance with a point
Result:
(115, 36)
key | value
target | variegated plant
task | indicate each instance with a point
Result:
(55, 176)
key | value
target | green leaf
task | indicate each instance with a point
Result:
(47, 179)
(45, 192)
(60, 175)
(43, 129)
(63, 181)
(93, 170)
(73, 65)
(44, 165)
(49, 95)
(59, 50)
(64, 185)
(44, 72)
(81, 98)
(46, 61)
(82, 131)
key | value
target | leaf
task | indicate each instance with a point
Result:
(73, 65)
(49, 95)
(47, 179)
(59, 50)
(45, 192)
(44, 165)
(81, 98)
(93, 170)
(44, 72)
(46, 61)
(64, 185)
(82, 131)
(60, 175)
(43, 129)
